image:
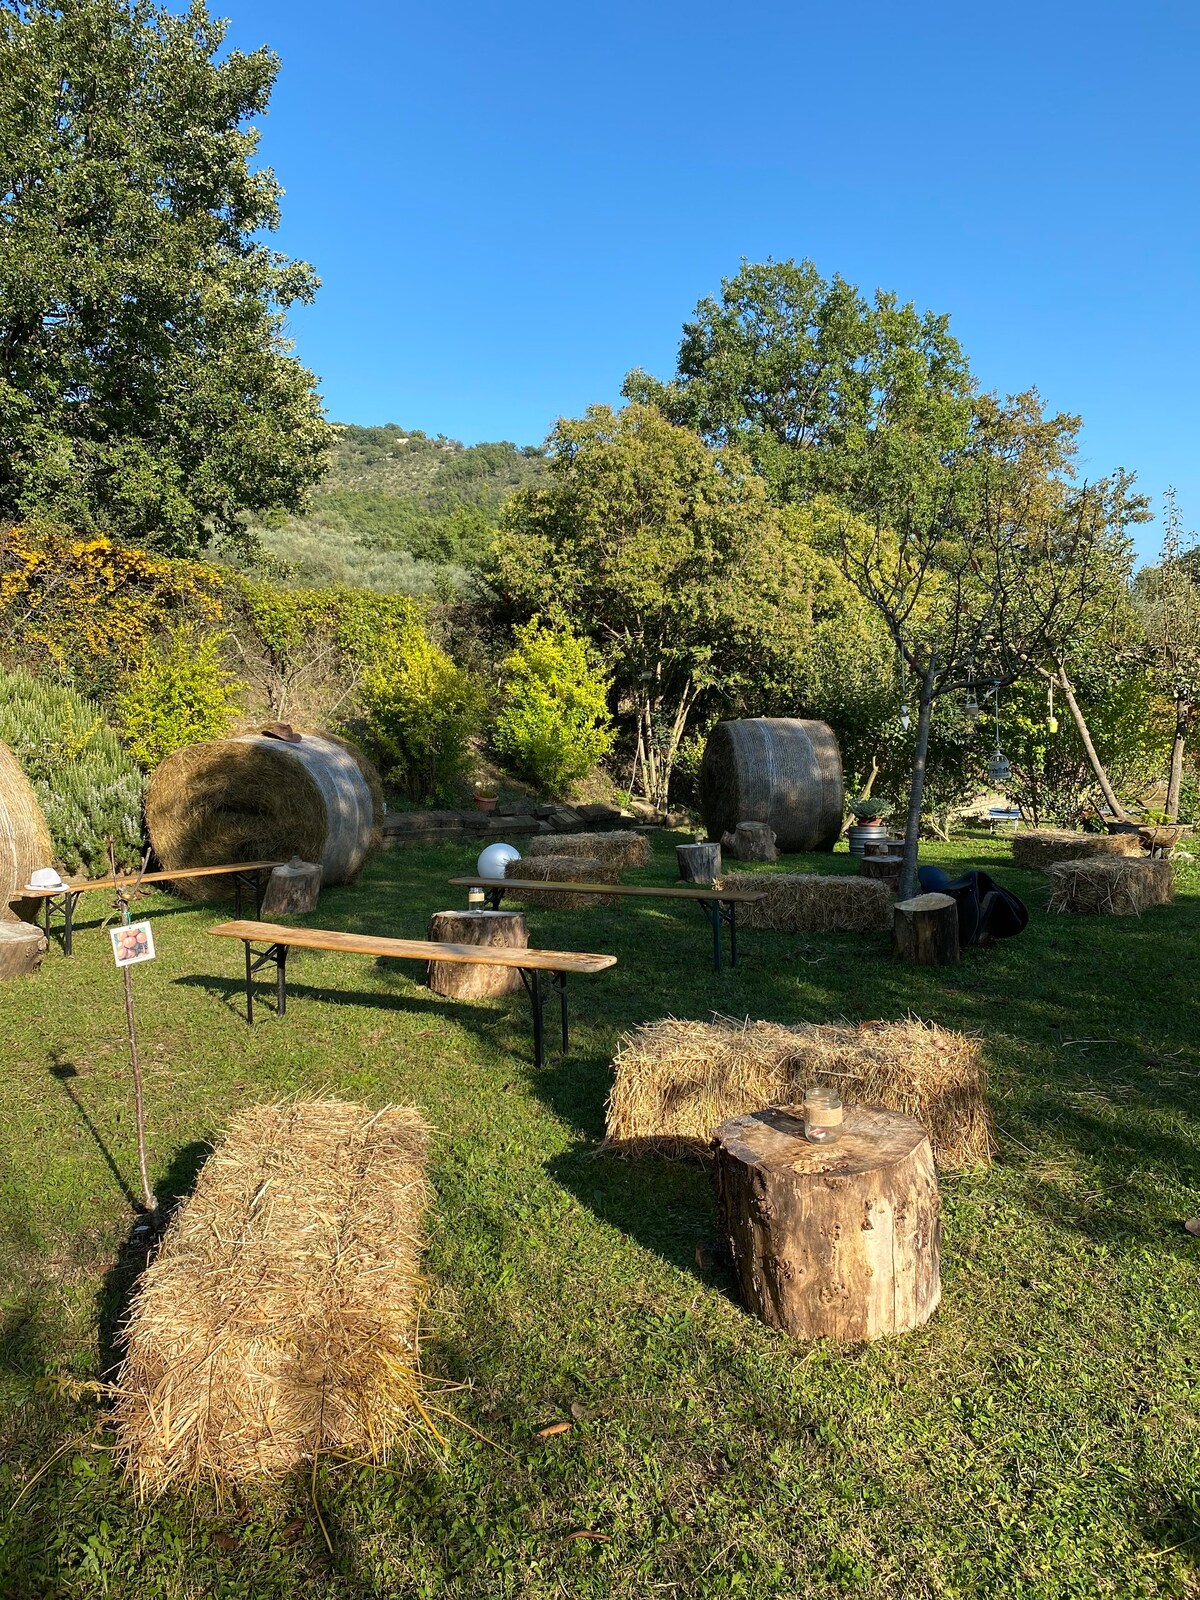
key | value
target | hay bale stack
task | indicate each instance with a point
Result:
(622, 848)
(676, 1082)
(253, 798)
(811, 902)
(564, 869)
(1041, 847)
(1119, 888)
(25, 841)
(784, 771)
(279, 1317)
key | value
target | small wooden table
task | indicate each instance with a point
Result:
(246, 875)
(831, 1241)
(531, 964)
(718, 905)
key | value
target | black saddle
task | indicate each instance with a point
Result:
(986, 910)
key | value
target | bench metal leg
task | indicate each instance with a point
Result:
(274, 955)
(493, 897)
(718, 912)
(531, 977)
(65, 902)
(256, 882)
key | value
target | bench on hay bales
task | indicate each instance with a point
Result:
(559, 964)
(248, 877)
(718, 905)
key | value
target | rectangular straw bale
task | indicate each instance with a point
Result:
(564, 869)
(811, 902)
(279, 1317)
(675, 1082)
(621, 848)
(1120, 888)
(1041, 847)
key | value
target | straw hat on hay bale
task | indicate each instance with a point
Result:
(622, 848)
(564, 869)
(257, 797)
(279, 1317)
(812, 902)
(1041, 847)
(676, 1082)
(1120, 888)
(25, 841)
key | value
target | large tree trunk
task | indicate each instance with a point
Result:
(912, 831)
(1062, 682)
(1183, 722)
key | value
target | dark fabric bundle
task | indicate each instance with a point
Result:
(986, 910)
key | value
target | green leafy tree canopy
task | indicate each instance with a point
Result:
(146, 386)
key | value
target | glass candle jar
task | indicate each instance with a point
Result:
(474, 898)
(822, 1115)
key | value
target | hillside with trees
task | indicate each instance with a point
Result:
(401, 511)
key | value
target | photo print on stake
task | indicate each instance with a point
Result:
(132, 942)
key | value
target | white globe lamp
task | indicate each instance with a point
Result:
(493, 860)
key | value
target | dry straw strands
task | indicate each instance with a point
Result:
(1111, 888)
(563, 869)
(622, 848)
(254, 798)
(810, 902)
(24, 838)
(279, 1318)
(676, 1082)
(1041, 847)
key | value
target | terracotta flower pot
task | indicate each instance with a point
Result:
(486, 802)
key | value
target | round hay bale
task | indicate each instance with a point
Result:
(253, 798)
(784, 771)
(24, 839)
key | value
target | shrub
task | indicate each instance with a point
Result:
(177, 696)
(419, 713)
(90, 790)
(554, 722)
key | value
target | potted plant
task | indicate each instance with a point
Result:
(868, 825)
(486, 796)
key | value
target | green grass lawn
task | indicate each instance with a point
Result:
(1039, 1438)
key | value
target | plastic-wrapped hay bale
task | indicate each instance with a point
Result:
(279, 1318)
(812, 902)
(25, 841)
(563, 869)
(1120, 888)
(675, 1082)
(255, 798)
(784, 771)
(1041, 847)
(622, 848)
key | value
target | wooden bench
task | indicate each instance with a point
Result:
(531, 964)
(718, 905)
(246, 875)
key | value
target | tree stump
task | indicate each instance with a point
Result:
(464, 980)
(751, 841)
(925, 931)
(888, 869)
(698, 863)
(22, 946)
(831, 1241)
(292, 889)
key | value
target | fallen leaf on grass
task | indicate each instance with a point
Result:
(225, 1541)
(553, 1428)
(590, 1533)
(578, 1411)
(294, 1527)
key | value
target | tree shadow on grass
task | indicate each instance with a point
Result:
(137, 1250)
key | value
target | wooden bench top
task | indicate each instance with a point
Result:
(128, 879)
(370, 944)
(740, 896)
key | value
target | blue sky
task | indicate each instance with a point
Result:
(510, 206)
